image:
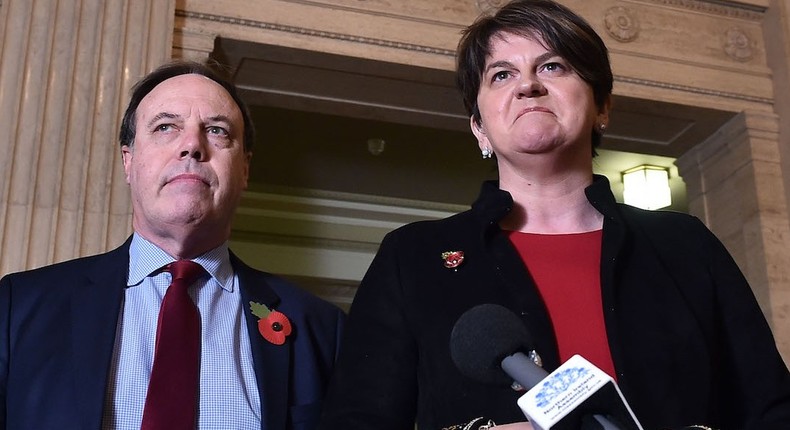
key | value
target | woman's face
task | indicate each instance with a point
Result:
(532, 102)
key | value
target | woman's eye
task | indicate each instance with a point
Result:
(553, 67)
(499, 76)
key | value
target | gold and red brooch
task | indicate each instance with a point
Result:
(273, 325)
(452, 259)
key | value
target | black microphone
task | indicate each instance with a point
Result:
(490, 344)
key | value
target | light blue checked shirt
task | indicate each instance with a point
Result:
(228, 391)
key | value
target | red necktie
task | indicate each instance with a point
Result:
(171, 402)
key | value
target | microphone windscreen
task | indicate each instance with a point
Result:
(482, 337)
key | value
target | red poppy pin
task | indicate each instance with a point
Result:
(452, 259)
(273, 325)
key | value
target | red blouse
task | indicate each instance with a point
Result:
(566, 270)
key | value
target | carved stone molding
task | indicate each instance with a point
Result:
(622, 24)
(363, 7)
(737, 44)
(751, 13)
(693, 90)
(190, 45)
(313, 33)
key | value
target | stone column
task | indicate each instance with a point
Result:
(734, 184)
(777, 44)
(66, 67)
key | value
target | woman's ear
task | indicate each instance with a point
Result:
(482, 138)
(603, 112)
(479, 132)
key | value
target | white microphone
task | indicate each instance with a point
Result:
(488, 343)
(576, 390)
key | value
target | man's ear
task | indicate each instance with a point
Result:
(247, 161)
(126, 155)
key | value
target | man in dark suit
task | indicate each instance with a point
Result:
(79, 339)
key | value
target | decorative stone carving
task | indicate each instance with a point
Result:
(721, 8)
(303, 31)
(737, 44)
(490, 6)
(622, 24)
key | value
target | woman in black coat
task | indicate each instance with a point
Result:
(651, 298)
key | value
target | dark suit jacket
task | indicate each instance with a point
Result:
(57, 333)
(688, 340)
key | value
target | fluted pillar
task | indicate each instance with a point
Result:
(66, 67)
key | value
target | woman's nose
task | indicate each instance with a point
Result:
(529, 86)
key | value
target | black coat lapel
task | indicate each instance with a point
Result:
(96, 305)
(272, 362)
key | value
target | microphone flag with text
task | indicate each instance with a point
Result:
(490, 344)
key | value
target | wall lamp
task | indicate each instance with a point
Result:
(647, 187)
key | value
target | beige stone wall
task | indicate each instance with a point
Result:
(734, 183)
(777, 37)
(689, 52)
(66, 66)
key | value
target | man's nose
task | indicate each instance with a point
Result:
(193, 145)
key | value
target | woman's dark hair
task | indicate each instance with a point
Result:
(563, 31)
(171, 70)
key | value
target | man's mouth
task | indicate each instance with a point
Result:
(187, 177)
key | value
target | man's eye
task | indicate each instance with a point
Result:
(217, 131)
(163, 127)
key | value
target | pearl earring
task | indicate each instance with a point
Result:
(486, 153)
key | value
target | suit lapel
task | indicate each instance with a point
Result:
(95, 306)
(272, 362)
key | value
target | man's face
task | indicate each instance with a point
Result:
(187, 166)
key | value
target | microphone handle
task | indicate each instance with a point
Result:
(519, 367)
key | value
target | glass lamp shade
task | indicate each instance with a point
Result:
(647, 187)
